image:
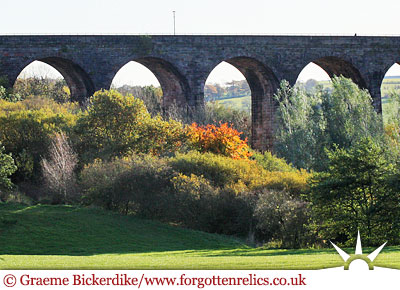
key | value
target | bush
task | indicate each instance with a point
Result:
(36, 103)
(201, 206)
(200, 191)
(112, 125)
(145, 189)
(26, 133)
(148, 187)
(222, 140)
(97, 180)
(137, 185)
(281, 218)
(161, 137)
(8, 95)
(216, 113)
(196, 201)
(238, 175)
(219, 170)
(212, 113)
(272, 163)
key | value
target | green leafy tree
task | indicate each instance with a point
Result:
(300, 136)
(355, 194)
(150, 95)
(310, 122)
(117, 125)
(113, 124)
(7, 167)
(7, 93)
(349, 114)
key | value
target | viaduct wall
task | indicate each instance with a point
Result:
(183, 63)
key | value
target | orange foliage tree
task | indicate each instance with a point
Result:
(222, 139)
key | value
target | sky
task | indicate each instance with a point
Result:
(206, 16)
(339, 17)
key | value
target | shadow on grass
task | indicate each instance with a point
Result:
(270, 252)
(76, 231)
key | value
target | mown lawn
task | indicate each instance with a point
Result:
(65, 237)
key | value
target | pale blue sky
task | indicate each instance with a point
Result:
(205, 16)
(339, 17)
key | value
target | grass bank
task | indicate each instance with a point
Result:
(66, 237)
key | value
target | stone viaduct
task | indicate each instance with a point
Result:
(183, 63)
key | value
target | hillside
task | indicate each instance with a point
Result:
(66, 237)
(67, 230)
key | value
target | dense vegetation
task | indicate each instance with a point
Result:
(335, 170)
(214, 113)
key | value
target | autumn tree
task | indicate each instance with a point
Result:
(223, 139)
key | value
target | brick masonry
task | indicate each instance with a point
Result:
(183, 63)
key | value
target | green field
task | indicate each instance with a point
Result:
(388, 85)
(66, 237)
(242, 103)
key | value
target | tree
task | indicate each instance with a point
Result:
(8, 95)
(112, 125)
(7, 167)
(59, 168)
(310, 122)
(150, 95)
(300, 135)
(223, 139)
(55, 89)
(310, 85)
(355, 194)
(349, 114)
(117, 125)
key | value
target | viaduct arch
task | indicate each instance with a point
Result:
(174, 85)
(263, 84)
(183, 63)
(76, 78)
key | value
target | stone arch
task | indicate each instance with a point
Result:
(391, 85)
(78, 81)
(386, 69)
(173, 84)
(336, 66)
(263, 84)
